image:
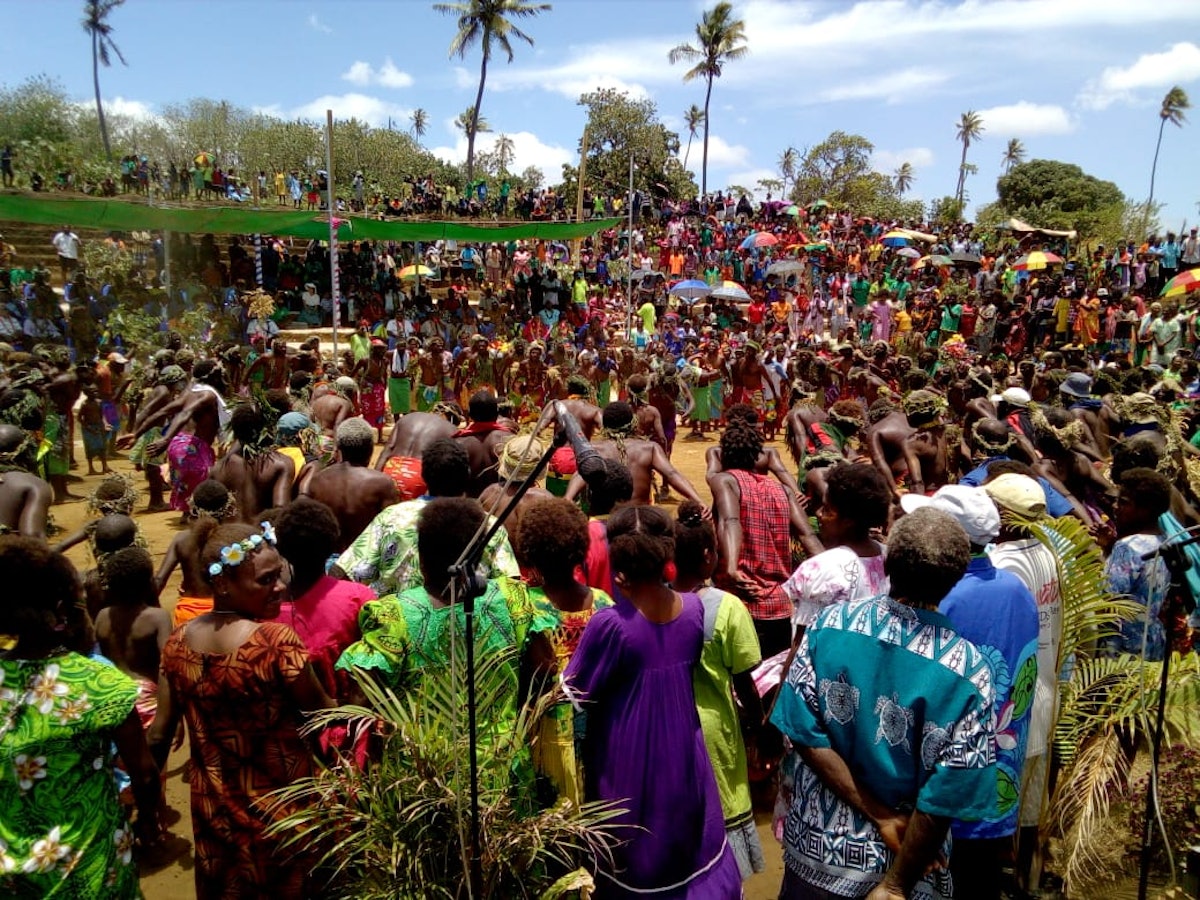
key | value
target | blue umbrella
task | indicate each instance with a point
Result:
(692, 289)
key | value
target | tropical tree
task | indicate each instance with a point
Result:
(789, 159)
(693, 118)
(969, 128)
(471, 124)
(95, 23)
(903, 177)
(720, 39)
(504, 150)
(488, 23)
(419, 123)
(1014, 154)
(1174, 104)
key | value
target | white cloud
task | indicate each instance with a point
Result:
(528, 150)
(362, 74)
(363, 107)
(748, 178)
(121, 106)
(721, 154)
(894, 87)
(1025, 119)
(317, 25)
(888, 161)
(1178, 64)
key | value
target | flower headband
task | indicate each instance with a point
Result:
(233, 555)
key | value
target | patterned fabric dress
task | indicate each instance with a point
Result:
(554, 751)
(244, 744)
(62, 830)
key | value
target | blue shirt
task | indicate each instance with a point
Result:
(1056, 504)
(994, 610)
(908, 704)
(1145, 581)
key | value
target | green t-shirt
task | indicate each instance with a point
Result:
(860, 290)
(951, 313)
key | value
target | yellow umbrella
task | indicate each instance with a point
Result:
(415, 272)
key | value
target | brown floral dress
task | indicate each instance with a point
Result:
(244, 744)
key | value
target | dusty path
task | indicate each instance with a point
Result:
(172, 878)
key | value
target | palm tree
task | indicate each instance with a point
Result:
(903, 178)
(504, 150)
(788, 161)
(488, 23)
(468, 122)
(720, 38)
(970, 127)
(1014, 154)
(1173, 106)
(95, 23)
(420, 123)
(693, 118)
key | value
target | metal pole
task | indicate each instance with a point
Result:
(333, 254)
(629, 248)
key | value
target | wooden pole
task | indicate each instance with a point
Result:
(333, 249)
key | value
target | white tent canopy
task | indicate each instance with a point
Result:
(1018, 225)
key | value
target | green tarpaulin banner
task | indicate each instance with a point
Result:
(120, 215)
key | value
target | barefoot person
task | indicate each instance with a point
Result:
(199, 416)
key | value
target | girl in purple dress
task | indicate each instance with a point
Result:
(643, 748)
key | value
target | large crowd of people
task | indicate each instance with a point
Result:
(864, 626)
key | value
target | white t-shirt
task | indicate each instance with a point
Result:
(67, 244)
(1035, 565)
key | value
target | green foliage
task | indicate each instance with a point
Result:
(619, 125)
(839, 171)
(1059, 195)
(396, 828)
(946, 211)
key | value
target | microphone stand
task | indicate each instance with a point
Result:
(468, 584)
(1179, 596)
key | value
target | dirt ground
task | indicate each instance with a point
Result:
(170, 878)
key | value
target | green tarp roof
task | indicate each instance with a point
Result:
(122, 215)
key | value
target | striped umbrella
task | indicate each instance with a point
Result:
(1183, 283)
(1036, 261)
(730, 290)
(760, 239)
(895, 239)
(258, 265)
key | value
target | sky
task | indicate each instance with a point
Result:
(1075, 80)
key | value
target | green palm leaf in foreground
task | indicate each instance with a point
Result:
(1107, 706)
(397, 828)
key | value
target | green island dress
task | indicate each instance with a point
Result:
(63, 832)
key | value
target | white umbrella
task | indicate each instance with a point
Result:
(730, 291)
(785, 267)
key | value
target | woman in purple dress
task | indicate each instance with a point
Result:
(643, 749)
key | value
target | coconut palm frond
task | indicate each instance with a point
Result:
(395, 827)
(1090, 610)
(1081, 804)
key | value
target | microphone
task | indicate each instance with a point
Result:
(588, 462)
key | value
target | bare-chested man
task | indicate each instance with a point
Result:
(482, 438)
(198, 415)
(170, 383)
(256, 474)
(355, 492)
(887, 438)
(24, 498)
(272, 364)
(211, 499)
(400, 460)
(432, 367)
(926, 455)
(641, 457)
(332, 408)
